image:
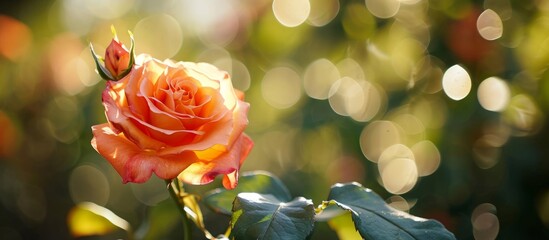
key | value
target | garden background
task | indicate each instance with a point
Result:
(332, 85)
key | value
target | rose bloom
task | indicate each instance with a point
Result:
(174, 119)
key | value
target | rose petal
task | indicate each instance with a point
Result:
(231, 180)
(120, 120)
(204, 172)
(134, 102)
(240, 116)
(134, 164)
(224, 132)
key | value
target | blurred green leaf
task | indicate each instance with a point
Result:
(88, 219)
(263, 216)
(343, 226)
(374, 219)
(162, 218)
(221, 200)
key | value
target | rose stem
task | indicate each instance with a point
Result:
(172, 186)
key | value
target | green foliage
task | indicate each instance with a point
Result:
(220, 200)
(374, 219)
(263, 216)
(262, 210)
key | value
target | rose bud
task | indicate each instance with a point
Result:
(118, 61)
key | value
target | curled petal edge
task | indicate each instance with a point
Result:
(134, 164)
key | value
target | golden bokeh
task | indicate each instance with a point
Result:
(438, 106)
(456, 82)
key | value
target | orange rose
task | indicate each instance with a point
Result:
(176, 119)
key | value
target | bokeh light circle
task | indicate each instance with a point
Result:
(89, 184)
(151, 192)
(378, 136)
(323, 12)
(456, 82)
(427, 157)
(291, 13)
(281, 87)
(159, 36)
(383, 8)
(399, 175)
(346, 97)
(485, 222)
(393, 152)
(319, 77)
(374, 101)
(489, 25)
(493, 94)
(107, 9)
(398, 202)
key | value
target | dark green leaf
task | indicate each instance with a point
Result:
(374, 219)
(262, 216)
(221, 200)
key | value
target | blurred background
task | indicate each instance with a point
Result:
(438, 106)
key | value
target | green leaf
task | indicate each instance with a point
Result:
(263, 216)
(221, 200)
(88, 219)
(374, 219)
